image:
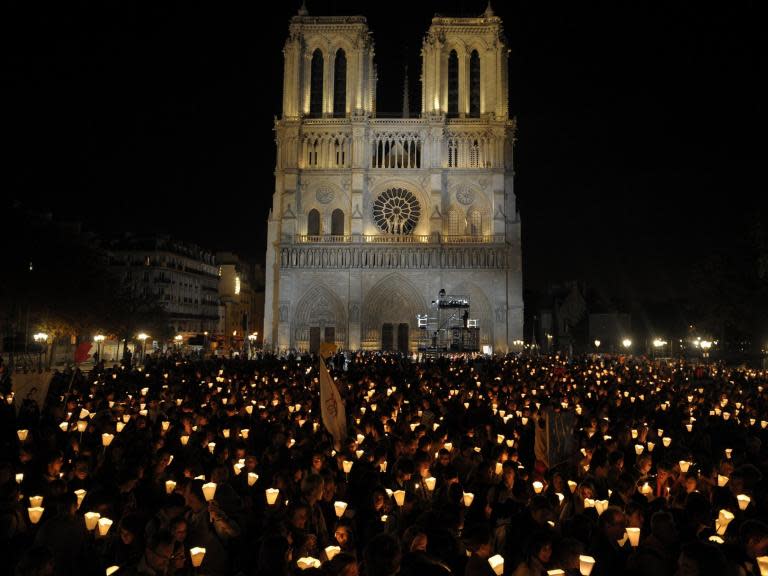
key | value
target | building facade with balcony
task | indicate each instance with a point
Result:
(181, 277)
(372, 217)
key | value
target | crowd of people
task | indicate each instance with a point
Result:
(517, 465)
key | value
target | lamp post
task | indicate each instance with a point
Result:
(658, 343)
(178, 339)
(705, 346)
(99, 338)
(597, 346)
(143, 339)
(627, 343)
(40, 338)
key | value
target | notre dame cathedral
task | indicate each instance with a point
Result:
(372, 218)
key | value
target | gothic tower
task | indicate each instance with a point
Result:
(372, 217)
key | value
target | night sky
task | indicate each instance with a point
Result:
(634, 155)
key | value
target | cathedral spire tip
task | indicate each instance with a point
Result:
(489, 11)
(304, 12)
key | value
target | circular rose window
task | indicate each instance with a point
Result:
(396, 211)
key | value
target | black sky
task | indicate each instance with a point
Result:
(635, 143)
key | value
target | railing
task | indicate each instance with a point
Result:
(397, 239)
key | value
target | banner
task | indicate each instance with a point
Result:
(554, 443)
(30, 386)
(332, 407)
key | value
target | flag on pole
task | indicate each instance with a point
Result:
(331, 405)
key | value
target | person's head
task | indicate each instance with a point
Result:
(298, 515)
(753, 536)
(701, 559)
(477, 539)
(312, 488)
(130, 529)
(612, 523)
(663, 527)
(382, 556)
(37, 561)
(343, 533)
(341, 565)
(414, 539)
(159, 551)
(644, 463)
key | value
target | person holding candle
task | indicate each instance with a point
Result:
(477, 540)
(610, 558)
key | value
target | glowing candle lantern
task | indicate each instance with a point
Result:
(651, 446)
(197, 554)
(744, 501)
(383, 467)
(359, 453)
(340, 507)
(560, 497)
(448, 446)
(639, 449)
(82, 425)
(589, 503)
(119, 426)
(347, 466)
(106, 439)
(538, 487)
(307, 562)
(225, 432)
(722, 480)
(601, 506)
(497, 564)
(646, 489)
(331, 551)
(165, 424)
(252, 478)
(35, 501)
(104, 525)
(35, 512)
(170, 486)
(91, 520)
(728, 452)
(22, 434)
(399, 497)
(723, 519)
(499, 438)
(80, 496)
(689, 427)
(666, 440)
(272, 495)
(634, 433)
(184, 439)
(384, 518)
(572, 485)
(762, 563)
(499, 468)
(209, 490)
(586, 564)
(468, 498)
(360, 438)
(112, 569)
(64, 426)
(684, 466)
(634, 536)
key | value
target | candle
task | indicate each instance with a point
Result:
(684, 465)
(80, 496)
(724, 518)
(104, 525)
(666, 440)
(762, 563)
(211, 447)
(728, 452)
(347, 466)
(82, 425)
(91, 520)
(586, 563)
(64, 426)
(35, 512)
(383, 467)
(22, 434)
(639, 449)
(538, 487)
(119, 426)
(497, 564)
(209, 490)
(170, 486)
(272, 495)
(112, 569)
(399, 497)
(35, 501)
(106, 439)
(252, 478)
(560, 497)
(722, 480)
(651, 446)
(743, 499)
(572, 485)
(308, 562)
(184, 439)
(468, 498)
(340, 507)
(331, 551)
(430, 483)
(634, 536)
(197, 554)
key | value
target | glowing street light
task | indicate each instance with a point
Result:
(41, 338)
(627, 343)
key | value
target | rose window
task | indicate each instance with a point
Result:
(396, 211)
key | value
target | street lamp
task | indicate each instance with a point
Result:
(179, 339)
(627, 343)
(142, 337)
(99, 338)
(705, 346)
(597, 345)
(658, 343)
(40, 338)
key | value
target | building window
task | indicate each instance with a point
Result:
(316, 85)
(337, 222)
(313, 223)
(396, 211)
(340, 85)
(475, 223)
(474, 84)
(453, 84)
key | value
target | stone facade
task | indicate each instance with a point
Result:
(372, 217)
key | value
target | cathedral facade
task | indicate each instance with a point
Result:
(371, 218)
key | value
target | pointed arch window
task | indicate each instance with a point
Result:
(453, 84)
(313, 223)
(337, 222)
(475, 223)
(474, 84)
(340, 85)
(316, 85)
